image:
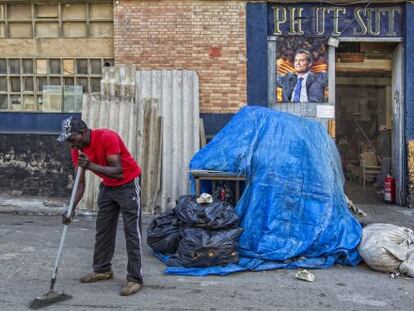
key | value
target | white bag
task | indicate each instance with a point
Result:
(407, 267)
(384, 247)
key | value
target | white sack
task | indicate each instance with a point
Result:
(384, 247)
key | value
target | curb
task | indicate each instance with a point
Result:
(30, 206)
(50, 211)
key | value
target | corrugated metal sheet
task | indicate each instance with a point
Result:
(115, 114)
(177, 95)
(165, 109)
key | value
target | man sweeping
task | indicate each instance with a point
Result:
(103, 152)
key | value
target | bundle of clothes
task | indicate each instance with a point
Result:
(196, 234)
(388, 248)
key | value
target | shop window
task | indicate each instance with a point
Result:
(48, 85)
(74, 11)
(29, 103)
(2, 30)
(28, 84)
(82, 66)
(69, 81)
(54, 81)
(4, 103)
(96, 66)
(44, 10)
(101, 29)
(41, 66)
(95, 85)
(20, 30)
(73, 96)
(27, 66)
(100, 11)
(16, 102)
(52, 98)
(54, 66)
(54, 20)
(14, 66)
(19, 11)
(84, 83)
(41, 81)
(15, 84)
(3, 84)
(39, 100)
(3, 66)
(68, 68)
(74, 30)
(47, 30)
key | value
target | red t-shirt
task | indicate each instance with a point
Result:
(105, 143)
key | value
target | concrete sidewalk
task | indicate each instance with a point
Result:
(28, 246)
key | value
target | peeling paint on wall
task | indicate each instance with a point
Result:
(34, 165)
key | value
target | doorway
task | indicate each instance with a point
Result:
(369, 122)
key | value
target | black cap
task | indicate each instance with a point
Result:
(71, 125)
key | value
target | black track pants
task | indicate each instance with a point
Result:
(112, 200)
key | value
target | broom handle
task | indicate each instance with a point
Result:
(65, 228)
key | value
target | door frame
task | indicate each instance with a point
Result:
(271, 71)
(401, 183)
(399, 150)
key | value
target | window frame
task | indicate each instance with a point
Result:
(60, 20)
(37, 93)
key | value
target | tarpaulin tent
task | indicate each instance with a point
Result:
(293, 209)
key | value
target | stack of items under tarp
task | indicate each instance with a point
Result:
(293, 211)
(196, 234)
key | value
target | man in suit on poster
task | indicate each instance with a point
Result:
(302, 86)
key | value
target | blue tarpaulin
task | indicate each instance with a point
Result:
(293, 209)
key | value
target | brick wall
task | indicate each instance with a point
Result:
(206, 36)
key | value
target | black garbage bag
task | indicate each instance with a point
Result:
(201, 248)
(213, 216)
(163, 234)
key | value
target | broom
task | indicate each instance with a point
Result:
(54, 296)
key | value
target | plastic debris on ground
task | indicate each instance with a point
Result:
(388, 248)
(293, 210)
(395, 275)
(305, 275)
(355, 209)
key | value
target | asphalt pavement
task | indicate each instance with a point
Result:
(28, 246)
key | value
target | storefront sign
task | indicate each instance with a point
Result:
(337, 21)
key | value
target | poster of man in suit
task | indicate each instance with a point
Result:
(302, 65)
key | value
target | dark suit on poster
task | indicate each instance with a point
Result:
(315, 85)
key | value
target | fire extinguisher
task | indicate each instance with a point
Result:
(389, 189)
(222, 194)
